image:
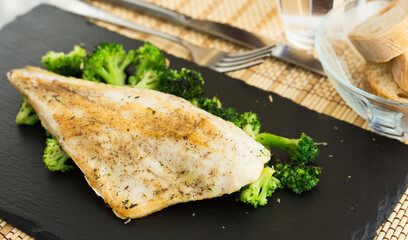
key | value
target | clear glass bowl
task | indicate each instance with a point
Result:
(344, 67)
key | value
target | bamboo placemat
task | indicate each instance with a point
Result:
(259, 16)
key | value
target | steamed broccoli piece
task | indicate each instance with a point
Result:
(256, 193)
(108, 63)
(214, 107)
(250, 123)
(149, 80)
(185, 83)
(54, 157)
(65, 64)
(148, 62)
(229, 114)
(299, 178)
(26, 114)
(151, 73)
(208, 104)
(301, 150)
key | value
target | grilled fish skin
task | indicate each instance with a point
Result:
(141, 150)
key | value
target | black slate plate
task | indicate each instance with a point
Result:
(62, 206)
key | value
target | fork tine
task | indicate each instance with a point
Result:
(223, 63)
(226, 62)
(251, 52)
(237, 67)
(247, 57)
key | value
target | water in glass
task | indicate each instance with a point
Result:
(302, 17)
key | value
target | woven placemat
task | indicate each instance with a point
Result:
(259, 16)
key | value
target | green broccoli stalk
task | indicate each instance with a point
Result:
(302, 150)
(257, 193)
(214, 107)
(298, 178)
(108, 63)
(65, 64)
(148, 62)
(54, 157)
(185, 83)
(26, 114)
(250, 123)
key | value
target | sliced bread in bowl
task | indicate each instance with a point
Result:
(380, 82)
(400, 70)
(384, 35)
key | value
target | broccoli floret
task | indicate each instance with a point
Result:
(151, 73)
(299, 177)
(250, 123)
(65, 64)
(26, 114)
(301, 150)
(108, 63)
(185, 83)
(150, 80)
(229, 114)
(209, 105)
(54, 157)
(48, 134)
(214, 107)
(256, 193)
(149, 62)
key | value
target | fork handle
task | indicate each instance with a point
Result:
(87, 10)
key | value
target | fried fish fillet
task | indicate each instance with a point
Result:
(141, 150)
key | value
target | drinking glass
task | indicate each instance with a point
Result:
(302, 17)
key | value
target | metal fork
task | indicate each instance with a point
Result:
(212, 58)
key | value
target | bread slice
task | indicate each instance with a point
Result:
(384, 35)
(381, 82)
(400, 70)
